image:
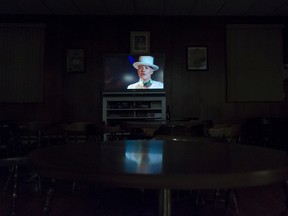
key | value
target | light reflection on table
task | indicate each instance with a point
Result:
(144, 157)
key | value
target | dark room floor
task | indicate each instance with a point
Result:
(90, 200)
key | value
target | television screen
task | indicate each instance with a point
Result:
(121, 74)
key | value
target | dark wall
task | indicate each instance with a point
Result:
(77, 97)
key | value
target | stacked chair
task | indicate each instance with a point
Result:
(16, 141)
(13, 157)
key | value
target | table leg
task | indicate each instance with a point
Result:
(165, 202)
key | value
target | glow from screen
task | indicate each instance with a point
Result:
(131, 60)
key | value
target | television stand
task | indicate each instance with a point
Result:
(120, 108)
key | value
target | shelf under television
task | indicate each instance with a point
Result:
(117, 109)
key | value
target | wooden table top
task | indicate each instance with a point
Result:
(159, 164)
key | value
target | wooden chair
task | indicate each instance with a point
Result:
(100, 131)
(75, 132)
(12, 160)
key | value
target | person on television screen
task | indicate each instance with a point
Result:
(145, 67)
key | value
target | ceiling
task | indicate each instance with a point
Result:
(146, 7)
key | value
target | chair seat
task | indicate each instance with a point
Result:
(13, 161)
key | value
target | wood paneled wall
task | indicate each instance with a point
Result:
(197, 94)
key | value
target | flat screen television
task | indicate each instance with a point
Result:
(119, 72)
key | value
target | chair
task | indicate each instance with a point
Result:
(13, 164)
(229, 132)
(110, 132)
(75, 132)
(35, 133)
(13, 158)
(100, 131)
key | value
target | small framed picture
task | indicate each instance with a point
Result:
(140, 42)
(197, 58)
(75, 60)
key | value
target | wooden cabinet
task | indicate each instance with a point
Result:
(120, 108)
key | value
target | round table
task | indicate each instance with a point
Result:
(163, 165)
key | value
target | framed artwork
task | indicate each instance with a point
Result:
(75, 60)
(140, 42)
(197, 58)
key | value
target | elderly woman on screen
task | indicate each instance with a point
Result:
(145, 67)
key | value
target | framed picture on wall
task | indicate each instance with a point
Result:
(75, 60)
(140, 42)
(197, 58)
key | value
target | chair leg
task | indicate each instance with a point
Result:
(49, 196)
(12, 177)
(74, 185)
(14, 191)
(285, 186)
(11, 172)
(231, 199)
(39, 184)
